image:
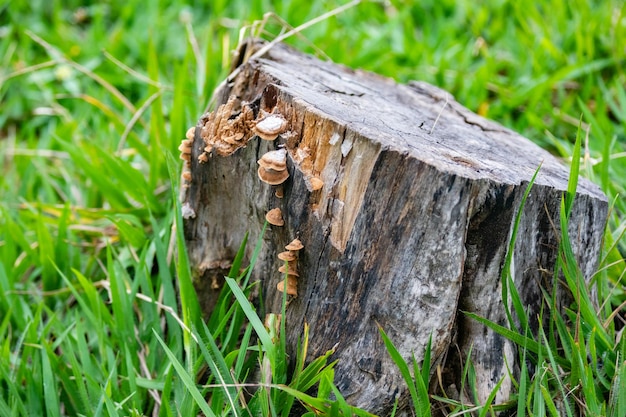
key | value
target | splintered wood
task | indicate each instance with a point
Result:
(402, 201)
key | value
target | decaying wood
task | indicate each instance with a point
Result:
(404, 201)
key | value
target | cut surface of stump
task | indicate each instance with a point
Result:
(404, 202)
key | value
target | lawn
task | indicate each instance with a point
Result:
(94, 101)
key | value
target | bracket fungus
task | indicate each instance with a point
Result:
(190, 133)
(295, 245)
(271, 177)
(185, 149)
(268, 127)
(273, 167)
(203, 158)
(287, 256)
(275, 217)
(292, 286)
(289, 270)
(228, 128)
(276, 160)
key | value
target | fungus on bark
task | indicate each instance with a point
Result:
(275, 217)
(268, 127)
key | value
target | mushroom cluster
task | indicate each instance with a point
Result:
(290, 268)
(185, 155)
(273, 167)
(226, 129)
(273, 171)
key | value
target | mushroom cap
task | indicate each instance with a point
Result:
(279, 193)
(295, 245)
(203, 158)
(292, 288)
(290, 270)
(271, 176)
(270, 126)
(276, 160)
(275, 217)
(185, 145)
(234, 138)
(287, 256)
(190, 133)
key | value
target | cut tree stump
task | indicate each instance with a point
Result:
(404, 201)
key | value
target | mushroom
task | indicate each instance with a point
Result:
(273, 167)
(276, 160)
(295, 245)
(272, 177)
(185, 145)
(233, 139)
(190, 133)
(292, 287)
(203, 158)
(290, 270)
(186, 175)
(280, 192)
(270, 126)
(287, 256)
(275, 217)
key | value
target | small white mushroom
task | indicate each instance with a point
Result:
(270, 126)
(187, 211)
(276, 160)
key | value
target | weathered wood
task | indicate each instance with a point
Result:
(411, 226)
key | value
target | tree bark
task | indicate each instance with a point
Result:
(410, 227)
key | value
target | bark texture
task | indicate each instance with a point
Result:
(410, 227)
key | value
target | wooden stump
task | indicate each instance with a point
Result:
(404, 201)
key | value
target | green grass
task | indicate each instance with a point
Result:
(94, 100)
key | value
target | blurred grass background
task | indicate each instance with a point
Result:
(94, 95)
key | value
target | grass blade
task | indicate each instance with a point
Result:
(187, 380)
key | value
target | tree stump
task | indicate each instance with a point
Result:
(404, 201)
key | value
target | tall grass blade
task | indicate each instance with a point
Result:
(188, 299)
(187, 380)
(50, 390)
(515, 337)
(508, 282)
(420, 399)
(219, 368)
(253, 318)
